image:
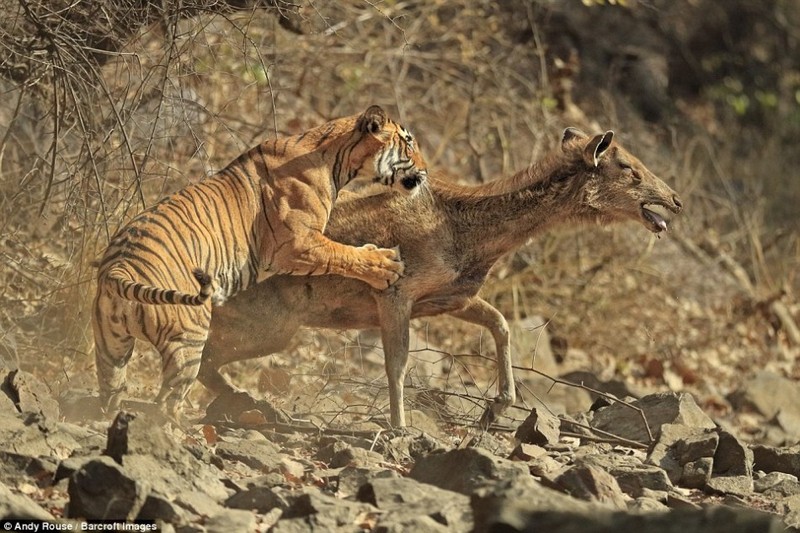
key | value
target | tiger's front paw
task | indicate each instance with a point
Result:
(385, 266)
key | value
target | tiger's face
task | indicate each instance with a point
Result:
(397, 162)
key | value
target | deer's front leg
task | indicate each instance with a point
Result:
(480, 312)
(394, 313)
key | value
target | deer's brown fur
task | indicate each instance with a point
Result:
(449, 240)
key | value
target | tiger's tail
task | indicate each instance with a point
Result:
(119, 280)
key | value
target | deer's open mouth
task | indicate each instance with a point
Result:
(654, 219)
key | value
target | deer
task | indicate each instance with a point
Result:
(449, 238)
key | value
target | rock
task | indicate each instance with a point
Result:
(539, 428)
(531, 346)
(685, 453)
(403, 447)
(102, 490)
(259, 499)
(20, 507)
(229, 520)
(767, 481)
(733, 467)
(355, 457)
(696, 474)
(771, 459)
(659, 409)
(633, 476)
(791, 509)
(40, 470)
(117, 443)
(505, 507)
(526, 452)
(717, 519)
(402, 499)
(259, 455)
(465, 470)
(590, 483)
(241, 407)
(412, 523)
(31, 395)
(323, 512)
(35, 438)
(351, 478)
(198, 503)
(614, 387)
(647, 505)
(181, 475)
(769, 394)
(157, 507)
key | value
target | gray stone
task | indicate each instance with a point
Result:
(696, 474)
(658, 409)
(733, 467)
(20, 507)
(31, 395)
(526, 452)
(182, 474)
(229, 520)
(591, 483)
(685, 453)
(198, 503)
(403, 447)
(512, 517)
(411, 523)
(791, 510)
(158, 507)
(355, 457)
(259, 455)
(351, 478)
(505, 507)
(259, 499)
(615, 387)
(540, 428)
(102, 490)
(402, 499)
(633, 477)
(771, 459)
(323, 511)
(767, 393)
(465, 470)
(647, 505)
(32, 436)
(767, 481)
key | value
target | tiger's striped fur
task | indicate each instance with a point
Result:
(264, 214)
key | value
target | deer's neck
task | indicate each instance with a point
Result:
(498, 217)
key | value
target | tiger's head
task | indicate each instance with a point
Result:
(386, 153)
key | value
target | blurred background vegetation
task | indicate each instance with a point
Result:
(108, 106)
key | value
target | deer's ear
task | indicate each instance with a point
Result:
(595, 148)
(372, 121)
(571, 133)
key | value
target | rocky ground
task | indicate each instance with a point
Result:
(657, 463)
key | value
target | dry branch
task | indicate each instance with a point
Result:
(38, 36)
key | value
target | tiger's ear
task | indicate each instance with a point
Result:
(597, 147)
(372, 120)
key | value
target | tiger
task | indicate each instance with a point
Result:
(263, 214)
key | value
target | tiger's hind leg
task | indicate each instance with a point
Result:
(180, 358)
(112, 351)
